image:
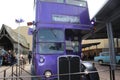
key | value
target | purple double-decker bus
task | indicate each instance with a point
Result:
(57, 39)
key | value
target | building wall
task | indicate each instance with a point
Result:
(104, 44)
(23, 30)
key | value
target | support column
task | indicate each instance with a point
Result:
(111, 50)
(117, 45)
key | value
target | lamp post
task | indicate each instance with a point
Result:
(18, 52)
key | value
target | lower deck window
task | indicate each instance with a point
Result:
(51, 48)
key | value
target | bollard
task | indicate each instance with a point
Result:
(4, 74)
(16, 71)
(19, 69)
(12, 73)
(110, 72)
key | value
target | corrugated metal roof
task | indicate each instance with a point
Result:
(109, 13)
(14, 36)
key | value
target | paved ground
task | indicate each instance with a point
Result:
(103, 72)
(26, 74)
(7, 71)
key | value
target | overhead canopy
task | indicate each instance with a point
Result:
(110, 12)
(90, 44)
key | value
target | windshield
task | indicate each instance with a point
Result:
(51, 41)
(51, 48)
(51, 35)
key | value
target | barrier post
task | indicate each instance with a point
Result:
(4, 74)
(16, 71)
(12, 73)
(19, 69)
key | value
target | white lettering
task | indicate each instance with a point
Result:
(65, 18)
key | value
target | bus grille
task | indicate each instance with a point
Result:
(68, 67)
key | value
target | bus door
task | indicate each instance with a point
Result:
(73, 42)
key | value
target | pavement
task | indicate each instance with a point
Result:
(26, 73)
(104, 75)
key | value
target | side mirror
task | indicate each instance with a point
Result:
(30, 31)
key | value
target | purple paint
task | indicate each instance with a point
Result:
(52, 17)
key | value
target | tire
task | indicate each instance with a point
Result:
(89, 76)
(119, 62)
(94, 76)
(100, 62)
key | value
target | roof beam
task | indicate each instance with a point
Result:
(115, 15)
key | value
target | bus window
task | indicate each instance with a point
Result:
(77, 2)
(51, 48)
(58, 1)
(51, 35)
(75, 46)
(51, 41)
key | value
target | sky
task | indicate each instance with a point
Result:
(16, 9)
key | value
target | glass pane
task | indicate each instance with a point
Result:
(51, 48)
(59, 1)
(51, 35)
(72, 45)
(75, 46)
(77, 2)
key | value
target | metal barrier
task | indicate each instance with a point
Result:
(14, 71)
(17, 70)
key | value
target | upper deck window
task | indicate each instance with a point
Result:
(72, 2)
(77, 2)
(58, 1)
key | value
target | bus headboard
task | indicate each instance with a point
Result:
(59, 14)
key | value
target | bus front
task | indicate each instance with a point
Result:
(54, 20)
(49, 45)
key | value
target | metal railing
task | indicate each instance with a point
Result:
(17, 70)
(12, 72)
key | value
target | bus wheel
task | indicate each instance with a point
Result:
(119, 62)
(94, 76)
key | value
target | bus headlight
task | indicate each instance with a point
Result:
(48, 74)
(42, 59)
